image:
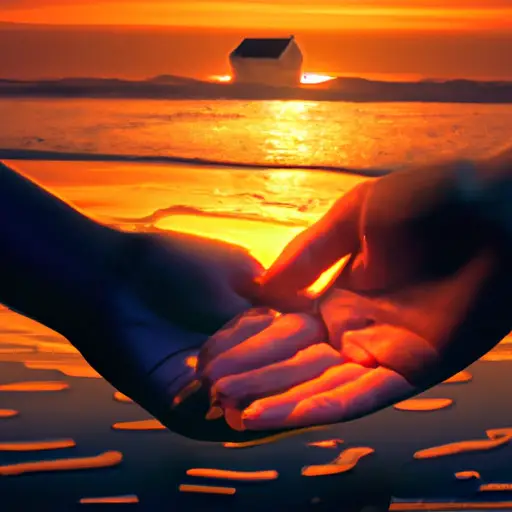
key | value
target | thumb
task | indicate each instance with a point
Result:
(319, 247)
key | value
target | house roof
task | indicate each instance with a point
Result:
(262, 48)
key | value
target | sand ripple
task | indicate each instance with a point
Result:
(497, 437)
(131, 498)
(424, 404)
(70, 369)
(104, 460)
(244, 476)
(507, 487)
(35, 386)
(8, 413)
(29, 446)
(327, 443)
(120, 397)
(467, 475)
(151, 424)
(346, 461)
(463, 376)
(207, 489)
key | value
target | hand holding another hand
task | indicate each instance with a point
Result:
(424, 295)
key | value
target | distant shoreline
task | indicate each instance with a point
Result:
(170, 87)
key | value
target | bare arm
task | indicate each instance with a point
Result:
(52, 257)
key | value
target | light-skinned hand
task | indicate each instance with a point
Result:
(425, 293)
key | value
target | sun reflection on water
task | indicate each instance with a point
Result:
(291, 129)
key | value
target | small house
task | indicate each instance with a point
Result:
(267, 61)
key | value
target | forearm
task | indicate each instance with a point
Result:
(51, 256)
(486, 186)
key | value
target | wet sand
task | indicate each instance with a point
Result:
(155, 462)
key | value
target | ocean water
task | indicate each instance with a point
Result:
(97, 154)
(335, 134)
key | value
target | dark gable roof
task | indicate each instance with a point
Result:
(262, 48)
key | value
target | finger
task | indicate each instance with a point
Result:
(331, 379)
(370, 392)
(396, 348)
(344, 311)
(282, 339)
(317, 248)
(283, 301)
(237, 330)
(240, 390)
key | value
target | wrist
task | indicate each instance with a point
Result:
(485, 191)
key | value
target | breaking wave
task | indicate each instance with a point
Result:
(33, 154)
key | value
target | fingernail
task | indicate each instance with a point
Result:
(262, 418)
(252, 412)
(234, 419)
(259, 311)
(214, 413)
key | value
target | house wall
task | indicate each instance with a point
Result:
(285, 71)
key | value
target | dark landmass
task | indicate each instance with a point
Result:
(340, 89)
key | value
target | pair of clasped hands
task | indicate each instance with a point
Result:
(423, 295)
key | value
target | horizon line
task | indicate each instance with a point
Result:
(370, 77)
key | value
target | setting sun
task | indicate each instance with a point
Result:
(307, 78)
(220, 78)
(312, 78)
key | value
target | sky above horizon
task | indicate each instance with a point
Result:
(452, 15)
(417, 38)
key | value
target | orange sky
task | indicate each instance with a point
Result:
(494, 15)
(393, 38)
